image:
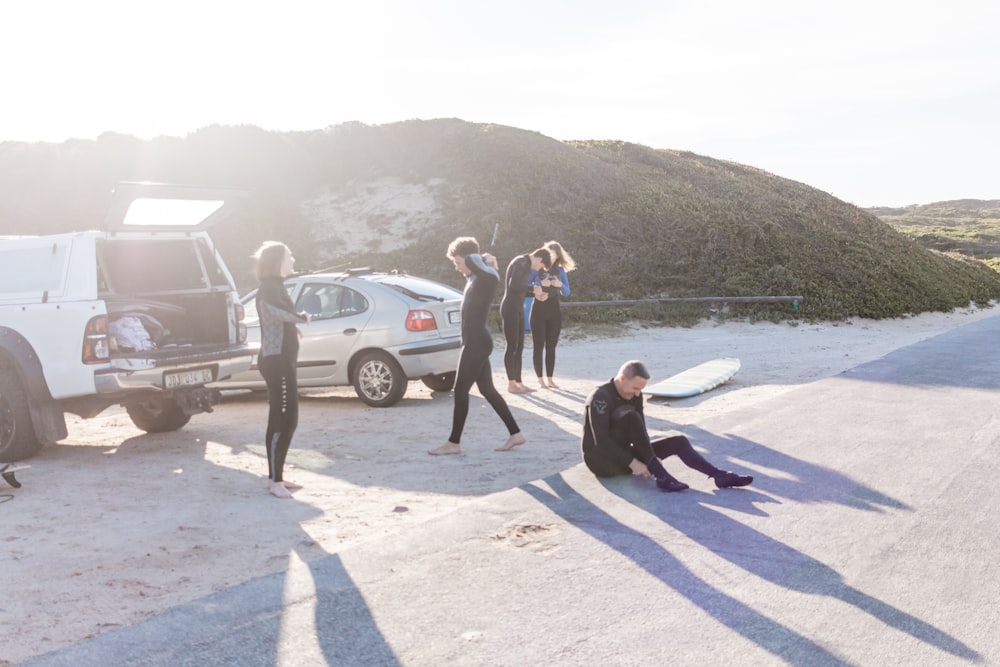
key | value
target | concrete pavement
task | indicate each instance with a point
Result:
(868, 538)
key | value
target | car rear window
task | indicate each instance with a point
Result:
(420, 288)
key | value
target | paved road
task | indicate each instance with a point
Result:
(869, 538)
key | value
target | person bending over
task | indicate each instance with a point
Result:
(616, 442)
(516, 287)
(477, 344)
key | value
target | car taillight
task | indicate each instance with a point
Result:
(420, 320)
(96, 344)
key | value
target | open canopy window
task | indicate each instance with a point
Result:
(162, 207)
(169, 212)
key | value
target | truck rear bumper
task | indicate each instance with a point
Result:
(138, 375)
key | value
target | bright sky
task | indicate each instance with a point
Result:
(878, 102)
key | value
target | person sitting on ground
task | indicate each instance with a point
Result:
(616, 442)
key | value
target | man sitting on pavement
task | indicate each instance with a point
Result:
(616, 442)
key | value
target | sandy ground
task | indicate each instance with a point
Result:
(114, 525)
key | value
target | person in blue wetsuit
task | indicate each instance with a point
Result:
(277, 358)
(480, 271)
(517, 284)
(546, 313)
(615, 440)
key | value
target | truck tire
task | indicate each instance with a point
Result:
(17, 435)
(378, 380)
(157, 415)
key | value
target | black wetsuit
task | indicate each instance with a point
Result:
(477, 344)
(546, 323)
(279, 351)
(614, 433)
(517, 286)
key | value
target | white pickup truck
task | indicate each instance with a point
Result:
(143, 314)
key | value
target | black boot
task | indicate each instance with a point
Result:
(725, 479)
(664, 480)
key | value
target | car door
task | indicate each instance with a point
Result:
(338, 314)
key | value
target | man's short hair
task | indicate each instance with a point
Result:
(462, 247)
(634, 368)
(544, 255)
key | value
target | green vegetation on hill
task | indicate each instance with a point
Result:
(640, 222)
(967, 226)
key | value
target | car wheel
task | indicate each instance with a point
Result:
(17, 435)
(157, 415)
(379, 380)
(442, 382)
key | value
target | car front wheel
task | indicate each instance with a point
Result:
(379, 380)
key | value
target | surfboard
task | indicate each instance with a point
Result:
(697, 380)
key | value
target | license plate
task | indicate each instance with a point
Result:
(186, 378)
(454, 317)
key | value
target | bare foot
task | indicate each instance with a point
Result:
(278, 490)
(513, 387)
(292, 486)
(512, 442)
(525, 389)
(541, 383)
(552, 385)
(445, 449)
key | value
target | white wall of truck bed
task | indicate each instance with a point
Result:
(56, 268)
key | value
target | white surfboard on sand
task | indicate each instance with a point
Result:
(697, 380)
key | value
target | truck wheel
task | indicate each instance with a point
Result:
(379, 380)
(442, 382)
(157, 415)
(17, 435)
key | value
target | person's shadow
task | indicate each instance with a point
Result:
(308, 611)
(754, 552)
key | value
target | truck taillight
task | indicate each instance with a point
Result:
(241, 328)
(420, 320)
(96, 344)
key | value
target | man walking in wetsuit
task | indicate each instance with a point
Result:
(615, 440)
(516, 287)
(477, 344)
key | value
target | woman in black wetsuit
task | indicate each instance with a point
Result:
(279, 351)
(477, 344)
(546, 314)
(517, 286)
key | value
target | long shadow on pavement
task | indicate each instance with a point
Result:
(746, 548)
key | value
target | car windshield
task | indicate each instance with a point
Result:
(420, 288)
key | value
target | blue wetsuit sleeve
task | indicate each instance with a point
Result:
(565, 282)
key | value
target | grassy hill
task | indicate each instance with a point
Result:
(967, 226)
(640, 222)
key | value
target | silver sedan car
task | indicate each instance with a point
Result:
(375, 331)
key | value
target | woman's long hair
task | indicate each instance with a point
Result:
(560, 257)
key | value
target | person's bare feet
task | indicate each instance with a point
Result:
(552, 385)
(446, 449)
(525, 389)
(291, 486)
(278, 490)
(513, 441)
(541, 383)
